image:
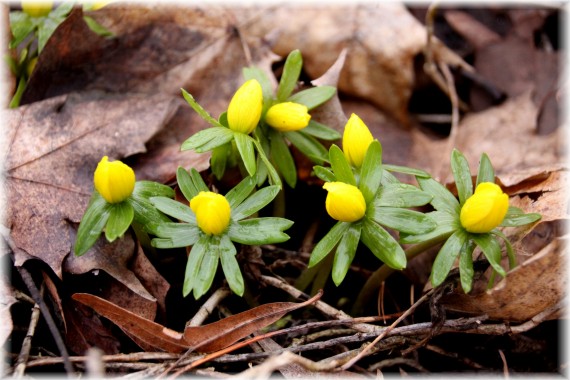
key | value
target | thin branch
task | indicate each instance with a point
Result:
(209, 306)
(27, 343)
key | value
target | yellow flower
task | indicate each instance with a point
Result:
(244, 110)
(288, 116)
(485, 209)
(212, 212)
(355, 140)
(115, 181)
(344, 202)
(37, 8)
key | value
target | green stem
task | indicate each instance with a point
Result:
(274, 177)
(374, 282)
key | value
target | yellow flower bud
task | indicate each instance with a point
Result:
(344, 202)
(37, 8)
(288, 116)
(485, 209)
(355, 140)
(212, 212)
(114, 180)
(244, 110)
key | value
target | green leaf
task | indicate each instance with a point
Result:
(290, 76)
(371, 171)
(176, 235)
(190, 183)
(62, 10)
(442, 200)
(405, 170)
(321, 131)
(340, 166)
(446, 225)
(219, 159)
(15, 101)
(92, 223)
(230, 265)
(208, 139)
(194, 263)
(244, 144)
(257, 231)
(486, 173)
(509, 246)
(255, 202)
(328, 242)
(401, 195)
(345, 252)
(516, 217)
(281, 156)
(21, 25)
(466, 266)
(240, 192)
(147, 189)
(308, 145)
(446, 257)
(45, 31)
(199, 110)
(174, 209)
(324, 173)
(387, 177)
(96, 27)
(146, 214)
(272, 173)
(383, 245)
(208, 268)
(462, 175)
(120, 219)
(491, 249)
(407, 221)
(313, 97)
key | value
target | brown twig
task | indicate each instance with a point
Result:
(208, 306)
(453, 355)
(505, 365)
(397, 361)
(24, 355)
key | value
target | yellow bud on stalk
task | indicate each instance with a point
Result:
(37, 8)
(355, 140)
(288, 116)
(114, 180)
(244, 110)
(212, 212)
(485, 209)
(344, 202)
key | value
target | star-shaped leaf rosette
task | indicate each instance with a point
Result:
(212, 223)
(365, 199)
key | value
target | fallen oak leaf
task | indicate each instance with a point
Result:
(208, 338)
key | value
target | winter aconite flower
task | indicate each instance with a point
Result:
(244, 110)
(344, 202)
(37, 8)
(485, 209)
(355, 140)
(288, 116)
(114, 180)
(212, 212)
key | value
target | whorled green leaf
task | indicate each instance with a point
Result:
(174, 209)
(446, 257)
(462, 175)
(199, 110)
(244, 144)
(194, 263)
(387, 177)
(255, 202)
(240, 191)
(401, 195)
(406, 170)
(190, 183)
(21, 25)
(147, 189)
(281, 156)
(120, 218)
(45, 31)
(509, 246)
(345, 252)
(230, 265)
(92, 223)
(324, 173)
(491, 249)
(446, 225)
(485, 173)
(308, 145)
(516, 217)
(290, 76)
(327, 243)
(145, 213)
(219, 160)
(257, 231)
(371, 171)
(208, 139)
(340, 166)
(383, 245)
(62, 10)
(97, 28)
(274, 178)
(404, 220)
(442, 200)
(208, 268)
(176, 235)
(313, 97)
(466, 266)
(321, 131)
